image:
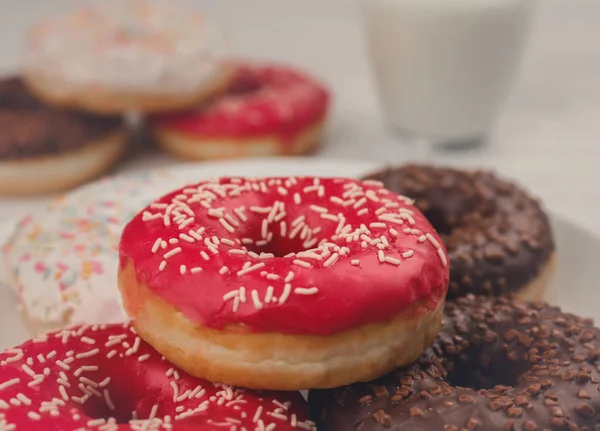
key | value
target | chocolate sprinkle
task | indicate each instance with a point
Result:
(533, 386)
(498, 237)
(30, 128)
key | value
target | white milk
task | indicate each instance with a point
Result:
(444, 67)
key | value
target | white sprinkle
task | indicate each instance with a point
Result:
(332, 259)
(87, 354)
(33, 416)
(96, 422)
(269, 294)
(319, 209)
(264, 230)
(360, 203)
(297, 199)
(186, 237)
(329, 217)
(393, 232)
(442, 256)
(393, 260)
(283, 228)
(186, 222)
(144, 357)
(104, 382)
(172, 252)
(240, 213)
(255, 299)
(226, 225)
(156, 245)
(381, 256)
(355, 262)
(377, 225)
(216, 213)
(88, 340)
(230, 295)
(422, 238)
(305, 291)
(28, 370)
(204, 255)
(162, 265)
(407, 254)
(363, 211)
(173, 241)
(432, 240)
(195, 235)
(182, 269)
(257, 414)
(301, 263)
(175, 390)
(250, 268)
(231, 220)
(63, 393)
(23, 399)
(82, 370)
(223, 270)
(195, 270)
(111, 354)
(287, 290)
(373, 183)
(107, 400)
(390, 219)
(9, 383)
(310, 255)
(289, 277)
(49, 356)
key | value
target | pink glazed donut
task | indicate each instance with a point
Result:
(269, 110)
(284, 283)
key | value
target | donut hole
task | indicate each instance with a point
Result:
(130, 390)
(295, 239)
(278, 246)
(475, 369)
(245, 85)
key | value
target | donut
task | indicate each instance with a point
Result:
(106, 378)
(269, 110)
(44, 149)
(61, 260)
(498, 364)
(283, 283)
(499, 239)
(139, 55)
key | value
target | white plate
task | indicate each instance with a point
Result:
(573, 287)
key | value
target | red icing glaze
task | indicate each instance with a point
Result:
(264, 100)
(100, 393)
(191, 247)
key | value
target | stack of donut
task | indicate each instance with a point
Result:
(60, 122)
(329, 284)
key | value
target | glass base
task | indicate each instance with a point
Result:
(437, 143)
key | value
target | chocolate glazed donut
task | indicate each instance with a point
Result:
(498, 237)
(497, 364)
(31, 128)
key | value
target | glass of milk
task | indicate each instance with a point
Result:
(444, 67)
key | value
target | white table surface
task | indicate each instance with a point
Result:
(548, 137)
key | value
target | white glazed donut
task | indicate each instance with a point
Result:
(129, 54)
(62, 260)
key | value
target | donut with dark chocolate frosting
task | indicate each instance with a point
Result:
(31, 128)
(497, 364)
(499, 238)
